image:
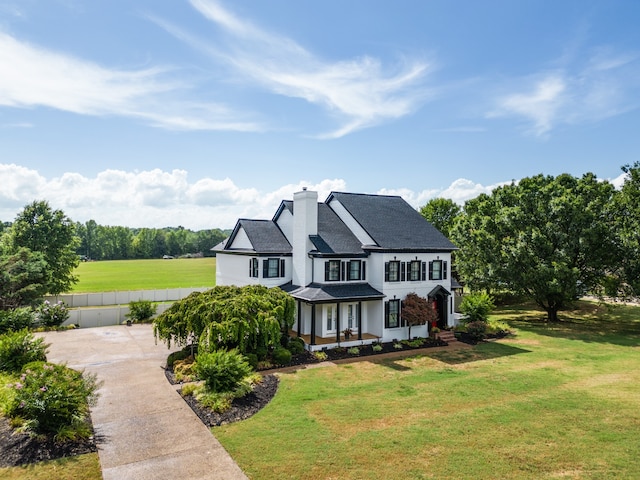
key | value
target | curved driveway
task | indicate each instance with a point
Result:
(144, 428)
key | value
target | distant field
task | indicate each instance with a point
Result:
(120, 275)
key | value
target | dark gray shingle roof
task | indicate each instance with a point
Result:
(320, 293)
(392, 223)
(264, 235)
(334, 237)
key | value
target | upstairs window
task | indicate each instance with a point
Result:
(417, 271)
(273, 268)
(332, 271)
(355, 270)
(392, 271)
(437, 270)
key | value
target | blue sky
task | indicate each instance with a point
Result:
(198, 112)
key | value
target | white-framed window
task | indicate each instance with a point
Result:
(392, 271)
(273, 268)
(253, 268)
(437, 270)
(392, 314)
(354, 270)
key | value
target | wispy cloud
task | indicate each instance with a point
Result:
(39, 77)
(602, 86)
(359, 92)
(157, 198)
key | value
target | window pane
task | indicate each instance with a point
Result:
(274, 263)
(334, 270)
(394, 271)
(415, 270)
(354, 270)
(437, 270)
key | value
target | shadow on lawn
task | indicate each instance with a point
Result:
(482, 351)
(589, 321)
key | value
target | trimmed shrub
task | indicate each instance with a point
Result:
(177, 356)
(320, 355)
(353, 351)
(296, 346)
(52, 399)
(262, 353)
(14, 320)
(281, 356)
(477, 330)
(141, 311)
(222, 371)
(376, 347)
(20, 348)
(52, 315)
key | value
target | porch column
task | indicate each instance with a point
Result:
(313, 324)
(338, 322)
(359, 317)
(299, 319)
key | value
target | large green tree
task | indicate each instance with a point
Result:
(627, 209)
(24, 277)
(41, 229)
(549, 238)
(441, 213)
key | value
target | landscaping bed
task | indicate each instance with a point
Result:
(22, 448)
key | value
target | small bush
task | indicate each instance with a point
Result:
(477, 306)
(320, 355)
(397, 346)
(477, 330)
(376, 347)
(52, 315)
(262, 353)
(221, 370)
(52, 399)
(184, 370)
(19, 348)
(281, 356)
(496, 326)
(221, 401)
(353, 351)
(176, 356)
(14, 320)
(141, 311)
(296, 346)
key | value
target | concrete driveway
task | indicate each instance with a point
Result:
(145, 429)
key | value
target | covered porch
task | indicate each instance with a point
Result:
(337, 315)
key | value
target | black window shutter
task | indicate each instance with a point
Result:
(326, 271)
(364, 271)
(424, 271)
(444, 270)
(386, 314)
(342, 265)
(282, 267)
(265, 268)
(386, 271)
(251, 267)
(403, 271)
(430, 270)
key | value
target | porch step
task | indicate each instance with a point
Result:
(448, 336)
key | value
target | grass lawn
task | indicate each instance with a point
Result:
(81, 467)
(554, 401)
(120, 275)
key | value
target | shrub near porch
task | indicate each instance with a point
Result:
(556, 401)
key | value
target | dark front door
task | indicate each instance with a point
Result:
(442, 301)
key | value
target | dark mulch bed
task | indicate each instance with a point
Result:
(471, 340)
(241, 408)
(21, 448)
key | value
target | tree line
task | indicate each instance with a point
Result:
(99, 242)
(550, 239)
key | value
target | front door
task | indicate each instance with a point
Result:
(441, 302)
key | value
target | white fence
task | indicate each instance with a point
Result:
(110, 308)
(77, 300)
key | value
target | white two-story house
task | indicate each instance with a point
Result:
(349, 262)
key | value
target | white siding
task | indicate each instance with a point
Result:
(285, 222)
(241, 240)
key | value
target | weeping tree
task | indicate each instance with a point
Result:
(226, 317)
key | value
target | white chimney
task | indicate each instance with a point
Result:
(305, 223)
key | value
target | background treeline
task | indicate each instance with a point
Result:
(99, 242)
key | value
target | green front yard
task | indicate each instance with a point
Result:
(555, 401)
